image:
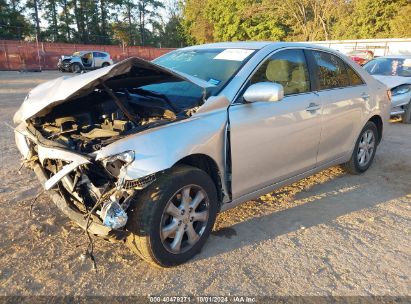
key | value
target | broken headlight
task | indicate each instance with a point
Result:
(115, 163)
(125, 157)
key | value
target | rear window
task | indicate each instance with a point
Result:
(99, 54)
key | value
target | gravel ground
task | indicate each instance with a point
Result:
(329, 234)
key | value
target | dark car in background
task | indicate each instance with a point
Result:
(84, 60)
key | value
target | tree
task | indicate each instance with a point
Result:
(33, 6)
(308, 19)
(371, 19)
(13, 24)
(399, 25)
(81, 34)
(51, 16)
(172, 32)
(65, 21)
(93, 25)
(124, 26)
(147, 14)
(195, 22)
(243, 20)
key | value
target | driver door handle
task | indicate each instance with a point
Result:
(313, 107)
(365, 96)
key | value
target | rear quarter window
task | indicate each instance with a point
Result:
(353, 76)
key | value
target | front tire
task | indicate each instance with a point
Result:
(170, 221)
(76, 68)
(364, 150)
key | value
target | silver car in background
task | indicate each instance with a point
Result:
(150, 152)
(84, 60)
(395, 73)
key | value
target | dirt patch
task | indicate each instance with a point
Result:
(329, 234)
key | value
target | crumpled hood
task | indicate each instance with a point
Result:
(45, 96)
(392, 81)
(63, 57)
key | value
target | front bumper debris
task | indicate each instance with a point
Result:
(94, 227)
(399, 104)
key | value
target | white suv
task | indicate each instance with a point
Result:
(84, 60)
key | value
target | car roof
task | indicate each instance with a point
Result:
(254, 45)
(360, 51)
(396, 57)
(84, 52)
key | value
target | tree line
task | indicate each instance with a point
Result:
(131, 22)
(296, 20)
(175, 23)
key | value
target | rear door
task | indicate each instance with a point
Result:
(343, 95)
(272, 141)
(98, 59)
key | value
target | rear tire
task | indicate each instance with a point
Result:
(170, 220)
(406, 118)
(364, 150)
(105, 64)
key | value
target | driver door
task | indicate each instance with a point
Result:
(273, 141)
(88, 61)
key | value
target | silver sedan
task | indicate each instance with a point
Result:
(150, 152)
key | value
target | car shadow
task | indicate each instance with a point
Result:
(316, 200)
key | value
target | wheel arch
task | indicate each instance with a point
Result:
(208, 165)
(77, 62)
(377, 120)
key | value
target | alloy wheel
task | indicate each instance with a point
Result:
(184, 219)
(366, 148)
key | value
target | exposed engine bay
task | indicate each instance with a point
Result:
(88, 123)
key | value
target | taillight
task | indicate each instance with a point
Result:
(389, 94)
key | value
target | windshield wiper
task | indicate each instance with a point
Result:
(148, 93)
(123, 107)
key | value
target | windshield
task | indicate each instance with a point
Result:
(389, 67)
(215, 66)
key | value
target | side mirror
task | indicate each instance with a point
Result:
(264, 91)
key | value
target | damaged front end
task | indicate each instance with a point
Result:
(63, 125)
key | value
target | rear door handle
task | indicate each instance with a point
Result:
(365, 96)
(313, 107)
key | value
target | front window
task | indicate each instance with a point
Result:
(216, 66)
(389, 67)
(287, 68)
